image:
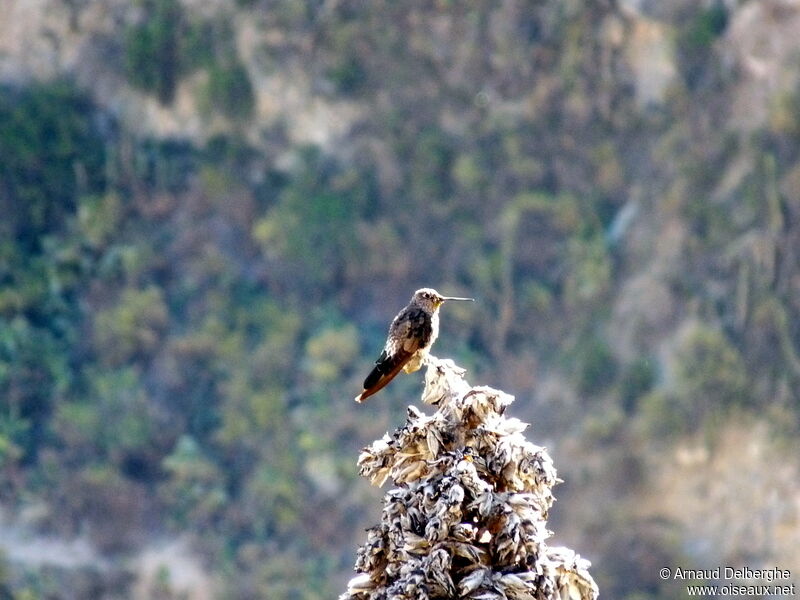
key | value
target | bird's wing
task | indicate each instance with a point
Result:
(409, 331)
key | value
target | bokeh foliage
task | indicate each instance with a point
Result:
(183, 324)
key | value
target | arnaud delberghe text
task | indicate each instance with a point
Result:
(739, 573)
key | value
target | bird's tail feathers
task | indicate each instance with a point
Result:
(385, 370)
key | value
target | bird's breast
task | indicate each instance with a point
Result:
(434, 330)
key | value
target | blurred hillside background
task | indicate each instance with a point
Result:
(211, 210)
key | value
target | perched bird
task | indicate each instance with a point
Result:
(411, 336)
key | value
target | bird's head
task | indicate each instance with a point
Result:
(429, 299)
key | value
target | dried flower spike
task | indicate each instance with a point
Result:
(467, 518)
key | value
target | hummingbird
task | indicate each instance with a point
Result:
(411, 336)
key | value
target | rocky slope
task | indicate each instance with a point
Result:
(618, 183)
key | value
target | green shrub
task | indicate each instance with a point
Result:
(637, 379)
(705, 27)
(194, 489)
(695, 41)
(709, 380)
(432, 166)
(710, 373)
(229, 91)
(133, 327)
(348, 74)
(313, 225)
(661, 415)
(589, 276)
(34, 372)
(597, 367)
(152, 49)
(330, 351)
(51, 153)
(115, 422)
(199, 43)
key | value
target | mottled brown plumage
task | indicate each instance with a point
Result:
(411, 336)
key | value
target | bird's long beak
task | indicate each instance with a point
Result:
(454, 298)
